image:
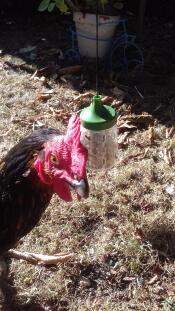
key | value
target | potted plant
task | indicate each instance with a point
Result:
(84, 16)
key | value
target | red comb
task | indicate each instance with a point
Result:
(73, 131)
(79, 153)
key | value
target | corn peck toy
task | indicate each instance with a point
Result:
(99, 134)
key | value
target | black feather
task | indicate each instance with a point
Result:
(15, 162)
(23, 198)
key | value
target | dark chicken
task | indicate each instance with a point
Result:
(41, 164)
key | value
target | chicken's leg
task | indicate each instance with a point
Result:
(39, 258)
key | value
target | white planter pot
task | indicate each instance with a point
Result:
(86, 33)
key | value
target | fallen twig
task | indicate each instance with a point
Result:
(34, 75)
(40, 258)
(132, 156)
(153, 280)
(139, 93)
(169, 132)
(122, 139)
(151, 135)
(167, 156)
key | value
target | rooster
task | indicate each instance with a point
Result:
(44, 163)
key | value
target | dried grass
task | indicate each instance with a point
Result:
(123, 234)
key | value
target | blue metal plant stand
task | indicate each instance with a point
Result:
(123, 54)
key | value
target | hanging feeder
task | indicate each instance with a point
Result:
(98, 127)
(99, 134)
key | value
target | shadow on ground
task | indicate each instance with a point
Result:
(150, 90)
(162, 239)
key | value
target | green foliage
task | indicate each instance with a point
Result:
(65, 6)
(49, 5)
(61, 5)
(43, 5)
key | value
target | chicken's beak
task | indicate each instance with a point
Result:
(81, 187)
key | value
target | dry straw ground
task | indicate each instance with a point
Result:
(123, 235)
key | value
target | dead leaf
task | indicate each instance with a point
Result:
(62, 115)
(43, 97)
(145, 153)
(122, 142)
(52, 111)
(69, 69)
(82, 96)
(131, 156)
(116, 104)
(44, 72)
(107, 99)
(125, 126)
(142, 119)
(132, 122)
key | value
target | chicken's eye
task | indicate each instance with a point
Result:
(53, 159)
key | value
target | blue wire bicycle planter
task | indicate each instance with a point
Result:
(123, 53)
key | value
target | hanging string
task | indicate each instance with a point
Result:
(97, 47)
